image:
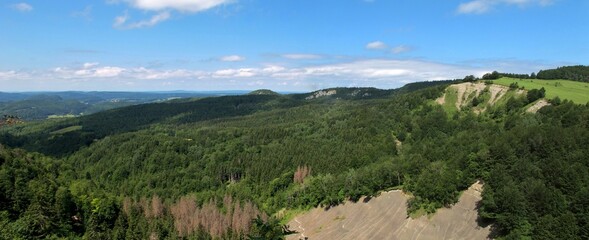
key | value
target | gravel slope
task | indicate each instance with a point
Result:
(385, 217)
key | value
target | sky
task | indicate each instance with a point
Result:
(283, 45)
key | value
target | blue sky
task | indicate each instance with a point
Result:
(284, 45)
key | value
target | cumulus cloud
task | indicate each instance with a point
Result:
(179, 5)
(376, 45)
(163, 9)
(23, 7)
(483, 6)
(232, 58)
(121, 22)
(89, 65)
(235, 73)
(7, 75)
(88, 70)
(301, 56)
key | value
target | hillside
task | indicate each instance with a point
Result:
(505, 94)
(43, 105)
(385, 217)
(577, 92)
(183, 168)
(478, 96)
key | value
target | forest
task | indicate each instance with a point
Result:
(575, 73)
(42, 105)
(578, 73)
(233, 167)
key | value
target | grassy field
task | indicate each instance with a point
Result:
(577, 92)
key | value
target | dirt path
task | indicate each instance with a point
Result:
(385, 217)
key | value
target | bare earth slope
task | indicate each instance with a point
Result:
(385, 217)
(464, 90)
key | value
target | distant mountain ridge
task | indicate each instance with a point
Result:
(41, 105)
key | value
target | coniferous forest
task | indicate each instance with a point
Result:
(230, 167)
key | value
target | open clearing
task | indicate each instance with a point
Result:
(385, 217)
(577, 92)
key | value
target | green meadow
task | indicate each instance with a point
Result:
(577, 92)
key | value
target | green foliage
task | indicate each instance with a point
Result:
(575, 73)
(535, 94)
(564, 89)
(104, 166)
(491, 76)
(435, 187)
(469, 78)
(263, 92)
(268, 230)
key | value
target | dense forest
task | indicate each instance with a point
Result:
(575, 73)
(231, 167)
(42, 105)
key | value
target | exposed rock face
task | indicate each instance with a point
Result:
(466, 91)
(539, 104)
(322, 93)
(385, 217)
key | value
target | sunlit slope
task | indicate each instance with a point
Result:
(577, 92)
(385, 217)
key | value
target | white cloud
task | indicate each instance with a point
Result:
(8, 75)
(381, 73)
(235, 73)
(23, 7)
(232, 58)
(300, 56)
(376, 45)
(164, 8)
(88, 70)
(121, 21)
(475, 7)
(483, 6)
(151, 74)
(401, 49)
(89, 65)
(179, 5)
(108, 72)
(273, 69)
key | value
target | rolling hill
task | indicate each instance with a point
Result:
(184, 168)
(577, 92)
(43, 105)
